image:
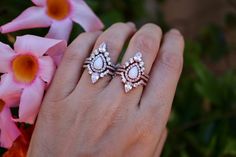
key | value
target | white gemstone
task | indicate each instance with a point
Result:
(126, 63)
(96, 52)
(138, 55)
(90, 72)
(108, 59)
(128, 87)
(102, 75)
(106, 54)
(103, 47)
(142, 69)
(131, 60)
(141, 63)
(94, 77)
(98, 63)
(133, 72)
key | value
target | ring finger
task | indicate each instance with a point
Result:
(147, 41)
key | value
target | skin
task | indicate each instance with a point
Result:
(81, 119)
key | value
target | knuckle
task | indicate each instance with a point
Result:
(73, 50)
(145, 129)
(145, 42)
(172, 62)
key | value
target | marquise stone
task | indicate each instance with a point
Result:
(133, 72)
(128, 87)
(98, 63)
(94, 77)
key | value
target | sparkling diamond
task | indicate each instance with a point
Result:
(94, 77)
(92, 55)
(133, 72)
(128, 87)
(96, 52)
(106, 54)
(102, 74)
(126, 63)
(103, 47)
(98, 63)
(108, 59)
(138, 55)
(90, 72)
(141, 63)
(131, 60)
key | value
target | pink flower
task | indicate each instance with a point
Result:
(58, 14)
(28, 69)
(9, 97)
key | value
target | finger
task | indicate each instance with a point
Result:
(70, 69)
(115, 38)
(146, 41)
(161, 143)
(158, 95)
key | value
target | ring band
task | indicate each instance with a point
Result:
(99, 63)
(132, 73)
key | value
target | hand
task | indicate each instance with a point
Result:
(81, 119)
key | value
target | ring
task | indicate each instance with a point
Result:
(99, 63)
(132, 73)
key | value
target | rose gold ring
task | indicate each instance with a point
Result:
(132, 73)
(99, 64)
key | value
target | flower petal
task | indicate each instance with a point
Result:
(39, 2)
(60, 29)
(9, 130)
(33, 17)
(30, 102)
(82, 14)
(9, 91)
(34, 44)
(57, 51)
(47, 68)
(6, 53)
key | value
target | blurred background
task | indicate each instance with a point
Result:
(203, 120)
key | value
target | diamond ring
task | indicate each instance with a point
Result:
(132, 73)
(99, 63)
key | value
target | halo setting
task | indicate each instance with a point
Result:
(99, 63)
(132, 73)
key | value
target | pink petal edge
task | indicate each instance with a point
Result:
(82, 14)
(9, 91)
(30, 103)
(60, 29)
(33, 17)
(6, 54)
(35, 45)
(47, 68)
(39, 2)
(9, 130)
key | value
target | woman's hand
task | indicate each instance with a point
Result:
(81, 119)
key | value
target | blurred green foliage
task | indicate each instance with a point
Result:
(203, 120)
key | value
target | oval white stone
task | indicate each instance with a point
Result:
(133, 72)
(98, 63)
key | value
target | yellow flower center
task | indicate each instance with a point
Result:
(25, 68)
(58, 9)
(2, 104)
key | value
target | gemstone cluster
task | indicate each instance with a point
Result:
(132, 72)
(99, 63)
